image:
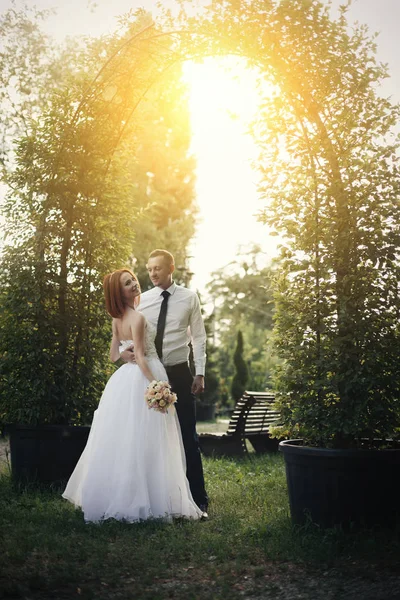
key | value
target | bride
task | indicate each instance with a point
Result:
(133, 466)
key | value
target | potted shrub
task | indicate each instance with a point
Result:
(329, 163)
(334, 198)
(70, 217)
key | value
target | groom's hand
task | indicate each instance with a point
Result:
(198, 385)
(128, 355)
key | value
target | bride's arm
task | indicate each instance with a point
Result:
(114, 354)
(138, 325)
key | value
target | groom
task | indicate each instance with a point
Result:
(175, 311)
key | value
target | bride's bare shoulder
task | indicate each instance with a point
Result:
(136, 317)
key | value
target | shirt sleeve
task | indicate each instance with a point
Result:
(198, 335)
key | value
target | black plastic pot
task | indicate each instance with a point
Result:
(342, 487)
(47, 453)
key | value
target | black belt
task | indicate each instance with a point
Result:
(178, 367)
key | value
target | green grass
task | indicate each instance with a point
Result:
(217, 425)
(248, 548)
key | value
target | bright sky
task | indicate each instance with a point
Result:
(226, 183)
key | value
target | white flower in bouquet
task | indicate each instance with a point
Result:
(159, 396)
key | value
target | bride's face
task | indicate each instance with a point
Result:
(129, 287)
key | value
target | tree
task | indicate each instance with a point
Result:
(241, 375)
(29, 68)
(241, 294)
(330, 166)
(78, 186)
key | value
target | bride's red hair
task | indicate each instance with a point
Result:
(113, 293)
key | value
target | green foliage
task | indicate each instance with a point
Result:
(26, 77)
(91, 174)
(211, 393)
(242, 298)
(331, 184)
(329, 160)
(241, 375)
(330, 166)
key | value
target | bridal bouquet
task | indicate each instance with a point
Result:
(159, 396)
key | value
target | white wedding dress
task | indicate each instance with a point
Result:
(133, 466)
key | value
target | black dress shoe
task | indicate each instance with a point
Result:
(203, 508)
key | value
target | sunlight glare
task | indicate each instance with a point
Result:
(223, 100)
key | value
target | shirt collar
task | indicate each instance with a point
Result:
(171, 289)
(158, 291)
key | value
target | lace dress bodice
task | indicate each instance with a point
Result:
(150, 334)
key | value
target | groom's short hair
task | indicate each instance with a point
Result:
(167, 255)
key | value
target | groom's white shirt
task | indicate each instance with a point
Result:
(184, 324)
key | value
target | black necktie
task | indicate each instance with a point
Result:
(161, 323)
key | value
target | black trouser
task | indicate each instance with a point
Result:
(181, 381)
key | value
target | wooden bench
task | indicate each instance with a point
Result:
(251, 420)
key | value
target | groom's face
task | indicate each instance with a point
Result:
(160, 272)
